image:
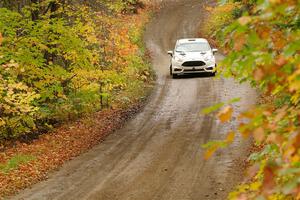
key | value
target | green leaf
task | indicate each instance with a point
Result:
(212, 108)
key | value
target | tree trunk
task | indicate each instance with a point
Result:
(35, 11)
(54, 6)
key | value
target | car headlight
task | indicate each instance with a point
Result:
(177, 59)
(208, 58)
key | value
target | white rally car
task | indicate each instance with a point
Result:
(192, 56)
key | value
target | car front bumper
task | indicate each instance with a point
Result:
(193, 70)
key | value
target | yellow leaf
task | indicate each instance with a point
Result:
(255, 186)
(208, 154)
(226, 114)
(2, 122)
(294, 86)
(295, 158)
(275, 1)
(230, 137)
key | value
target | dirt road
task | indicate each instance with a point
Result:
(157, 155)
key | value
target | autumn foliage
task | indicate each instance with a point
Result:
(263, 46)
(59, 61)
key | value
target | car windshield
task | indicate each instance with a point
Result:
(193, 47)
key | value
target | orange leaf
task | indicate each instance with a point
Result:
(270, 87)
(275, 138)
(280, 114)
(259, 134)
(289, 152)
(268, 182)
(245, 134)
(279, 41)
(252, 171)
(242, 197)
(208, 154)
(263, 32)
(239, 41)
(226, 114)
(244, 20)
(244, 131)
(247, 114)
(280, 61)
(258, 74)
(298, 193)
(296, 141)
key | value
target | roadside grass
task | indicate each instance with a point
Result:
(15, 161)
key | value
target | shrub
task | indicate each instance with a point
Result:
(264, 47)
(221, 16)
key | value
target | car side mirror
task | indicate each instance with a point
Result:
(170, 53)
(214, 51)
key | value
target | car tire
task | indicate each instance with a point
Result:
(171, 70)
(174, 76)
(215, 72)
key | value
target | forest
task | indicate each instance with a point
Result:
(66, 64)
(61, 59)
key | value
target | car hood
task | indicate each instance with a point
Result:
(194, 55)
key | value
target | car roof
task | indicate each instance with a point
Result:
(191, 40)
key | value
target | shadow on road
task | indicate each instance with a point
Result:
(200, 75)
